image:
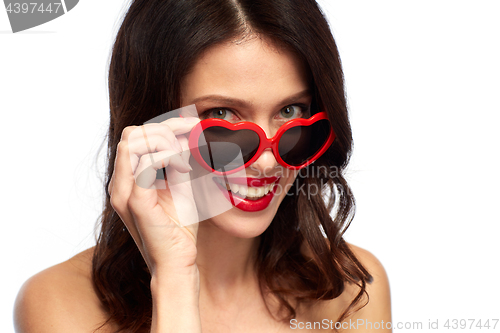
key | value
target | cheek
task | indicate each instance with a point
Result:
(292, 175)
(287, 181)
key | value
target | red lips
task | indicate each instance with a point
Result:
(248, 205)
(253, 182)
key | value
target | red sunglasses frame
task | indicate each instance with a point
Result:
(264, 142)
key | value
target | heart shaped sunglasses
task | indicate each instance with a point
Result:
(222, 147)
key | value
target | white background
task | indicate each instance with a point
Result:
(423, 83)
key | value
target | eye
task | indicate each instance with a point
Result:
(292, 111)
(220, 113)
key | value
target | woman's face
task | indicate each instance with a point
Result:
(249, 81)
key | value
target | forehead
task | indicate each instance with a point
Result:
(255, 70)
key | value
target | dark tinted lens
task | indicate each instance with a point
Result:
(225, 150)
(300, 143)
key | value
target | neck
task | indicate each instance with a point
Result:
(226, 263)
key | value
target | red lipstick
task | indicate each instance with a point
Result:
(254, 182)
(245, 204)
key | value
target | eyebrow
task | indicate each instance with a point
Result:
(242, 103)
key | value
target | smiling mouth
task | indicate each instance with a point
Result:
(245, 191)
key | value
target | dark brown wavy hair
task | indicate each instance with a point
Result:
(157, 44)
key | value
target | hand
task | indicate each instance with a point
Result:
(145, 203)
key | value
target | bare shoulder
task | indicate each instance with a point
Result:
(376, 311)
(60, 299)
(378, 290)
(374, 267)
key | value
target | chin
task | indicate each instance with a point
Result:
(238, 223)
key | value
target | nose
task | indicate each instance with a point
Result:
(266, 163)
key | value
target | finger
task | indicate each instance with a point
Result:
(126, 132)
(158, 133)
(111, 181)
(175, 126)
(181, 125)
(122, 179)
(152, 138)
(119, 191)
(141, 142)
(184, 142)
(149, 164)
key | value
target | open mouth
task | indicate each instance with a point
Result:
(248, 194)
(245, 191)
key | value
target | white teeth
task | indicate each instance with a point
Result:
(245, 191)
(234, 188)
(252, 192)
(260, 191)
(268, 188)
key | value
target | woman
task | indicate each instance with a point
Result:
(275, 260)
